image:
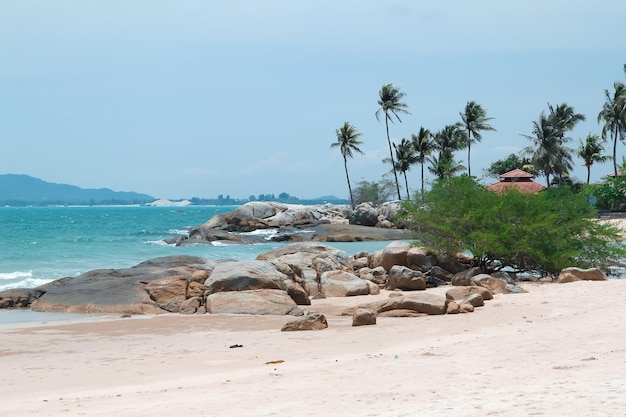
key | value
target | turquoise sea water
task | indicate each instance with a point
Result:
(41, 244)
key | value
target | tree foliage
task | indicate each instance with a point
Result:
(348, 142)
(542, 232)
(511, 162)
(376, 192)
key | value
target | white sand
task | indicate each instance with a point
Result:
(559, 350)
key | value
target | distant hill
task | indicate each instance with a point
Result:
(19, 190)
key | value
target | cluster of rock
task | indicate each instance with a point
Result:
(288, 221)
(276, 282)
(279, 282)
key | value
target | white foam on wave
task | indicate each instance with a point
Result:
(16, 275)
(159, 243)
(178, 232)
(28, 282)
(261, 232)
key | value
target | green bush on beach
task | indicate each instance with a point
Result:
(541, 233)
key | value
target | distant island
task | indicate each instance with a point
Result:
(24, 190)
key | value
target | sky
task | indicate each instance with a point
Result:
(197, 98)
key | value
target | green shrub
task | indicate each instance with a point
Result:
(542, 232)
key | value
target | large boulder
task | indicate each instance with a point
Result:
(419, 259)
(364, 214)
(403, 278)
(261, 302)
(243, 276)
(343, 284)
(462, 294)
(464, 277)
(126, 290)
(421, 303)
(578, 274)
(395, 254)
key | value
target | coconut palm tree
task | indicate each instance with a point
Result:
(475, 120)
(564, 118)
(423, 146)
(547, 151)
(405, 157)
(591, 151)
(448, 140)
(613, 115)
(347, 142)
(390, 102)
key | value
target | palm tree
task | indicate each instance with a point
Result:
(564, 118)
(474, 120)
(390, 102)
(591, 151)
(447, 140)
(547, 151)
(347, 142)
(405, 157)
(423, 146)
(613, 114)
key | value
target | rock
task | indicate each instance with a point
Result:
(363, 317)
(453, 308)
(395, 254)
(440, 273)
(466, 308)
(364, 214)
(123, 291)
(360, 263)
(195, 289)
(343, 284)
(200, 276)
(243, 276)
(461, 294)
(422, 302)
(19, 297)
(376, 275)
(313, 321)
(262, 302)
(419, 259)
(451, 263)
(514, 289)
(493, 284)
(374, 288)
(476, 300)
(169, 293)
(574, 274)
(403, 278)
(465, 277)
(190, 305)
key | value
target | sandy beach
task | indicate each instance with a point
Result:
(557, 350)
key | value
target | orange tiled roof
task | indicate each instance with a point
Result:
(517, 173)
(530, 187)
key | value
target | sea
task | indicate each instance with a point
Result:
(42, 244)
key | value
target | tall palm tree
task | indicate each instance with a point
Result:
(613, 114)
(591, 151)
(423, 146)
(390, 102)
(475, 120)
(405, 157)
(347, 142)
(564, 118)
(448, 140)
(547, 151)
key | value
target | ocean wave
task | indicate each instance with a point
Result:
(159, 242)
(24, 283)
(16, 275)
(178, 232)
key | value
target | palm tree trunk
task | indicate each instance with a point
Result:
(345, 165)
(406, 184)
(422, 179)
(588, 173)
(615, 151)
(469, 147)
(393, 163)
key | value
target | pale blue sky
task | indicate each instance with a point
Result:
(195, 98)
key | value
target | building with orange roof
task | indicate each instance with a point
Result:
(516, 179)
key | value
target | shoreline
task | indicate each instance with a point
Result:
(556, 350)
